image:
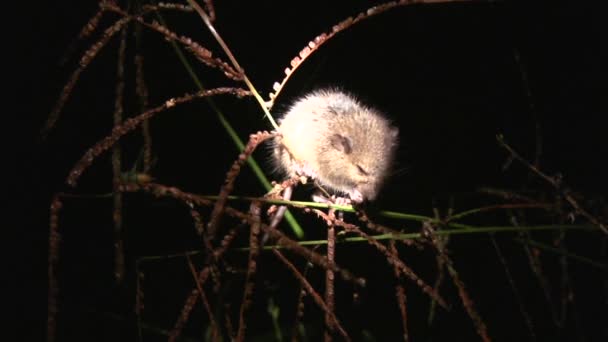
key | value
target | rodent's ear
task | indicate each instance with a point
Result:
(341, 143)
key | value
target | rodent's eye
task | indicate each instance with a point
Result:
(362, 170)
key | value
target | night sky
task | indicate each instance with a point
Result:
(450, 76)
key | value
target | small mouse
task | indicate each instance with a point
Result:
(329, 136)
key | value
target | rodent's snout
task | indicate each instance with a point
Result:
(364, 192)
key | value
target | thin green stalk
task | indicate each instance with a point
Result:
(233, 60)
(462, 229)
(257, 170)
(560, 251)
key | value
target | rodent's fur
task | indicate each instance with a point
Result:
(330, 136)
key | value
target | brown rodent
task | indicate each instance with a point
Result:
(345, 146)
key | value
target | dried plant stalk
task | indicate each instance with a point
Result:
(119, 256)
(467, 302)
(391, 259)
(54, 240)
(132, 123)
(201, 53)
(537, 268)
(520, 304)
(400, 293)
(254, 250)
(141, 91)
(323, 38)
(556, 183)
(91, 25)
(168, 6)
(139, 298)
(235, 169)
(215, 332)
(85, 60)
(335, 323)
(329, 281)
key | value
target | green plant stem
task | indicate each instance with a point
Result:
(257, 170)
(233, 60)
(461, 229)
(563, 252)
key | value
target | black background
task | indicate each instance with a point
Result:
(446, 74)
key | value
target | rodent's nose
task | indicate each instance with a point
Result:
(368, 191)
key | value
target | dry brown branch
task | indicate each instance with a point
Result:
(323, 38)
(91, 25)
(362, 216)
(159, 191)
(520, 304)
(557, 184)
(317, 259)
(300, 306)
(395, 262)
(215, 331)
(119, 256)
(280, 238)
(54, 241)
(254, 250)
(400, 293)
(335, 323)
(132, 123)
(168, 6)
(141, 91)
(85, 60)
(467, 302)
(139, 298)
(329, 279)
(235, 169)
(201, 53)
(536, 267)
